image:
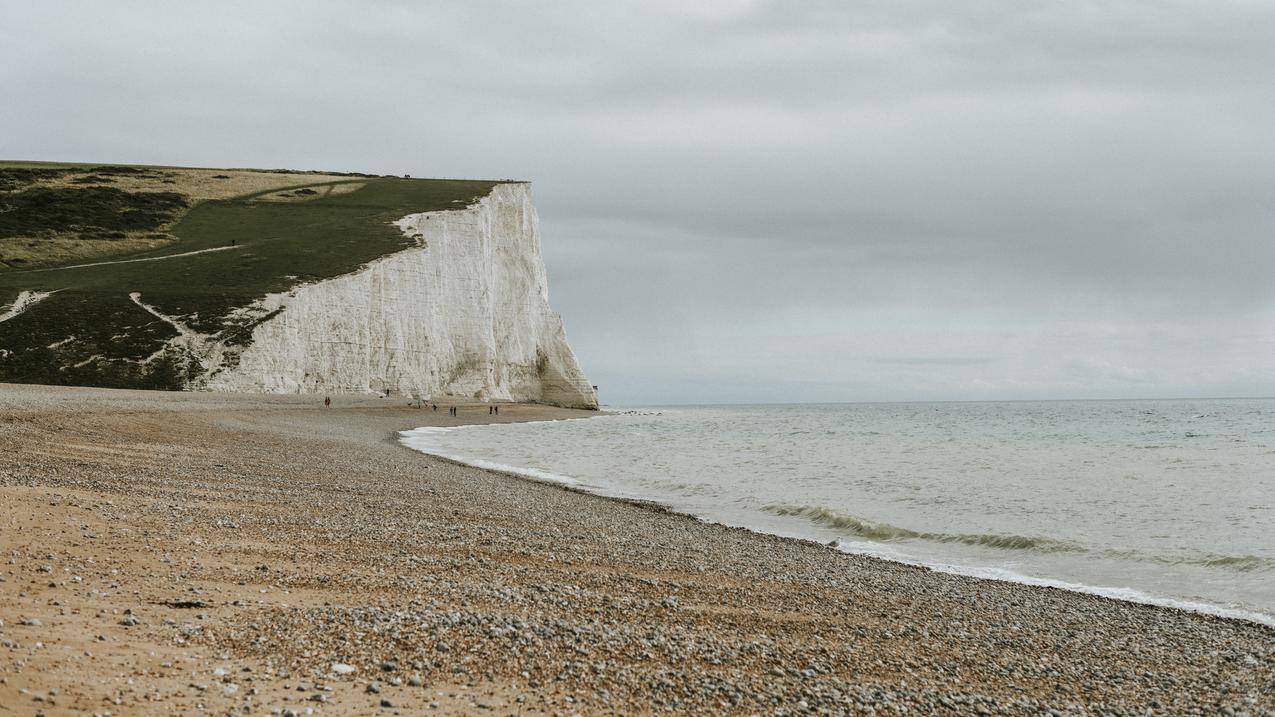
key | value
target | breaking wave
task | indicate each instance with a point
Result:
(885, 532)
(1236, 563)
(950, 485)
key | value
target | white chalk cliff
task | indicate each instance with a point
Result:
(464, 313)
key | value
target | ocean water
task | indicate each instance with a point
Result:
(1169, 502)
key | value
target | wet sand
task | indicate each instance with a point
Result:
(169, 552)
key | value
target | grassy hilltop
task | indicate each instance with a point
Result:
(94, 246)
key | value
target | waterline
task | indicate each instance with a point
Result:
(1020, 493)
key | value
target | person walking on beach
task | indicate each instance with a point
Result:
(327, 401)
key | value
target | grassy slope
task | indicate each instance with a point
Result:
(281, 245)
(54, 215)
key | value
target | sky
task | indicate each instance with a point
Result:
(760, 201)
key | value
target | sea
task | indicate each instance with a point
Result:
(1169, 502)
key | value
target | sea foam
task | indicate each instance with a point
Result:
(1060, 494)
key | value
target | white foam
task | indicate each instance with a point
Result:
(419, 439)
(1115, 593)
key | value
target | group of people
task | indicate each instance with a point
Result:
(451, 411)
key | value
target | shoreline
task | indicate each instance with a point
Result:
(1119, 594)
(219, 551)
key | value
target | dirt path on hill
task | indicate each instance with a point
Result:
(128, 261)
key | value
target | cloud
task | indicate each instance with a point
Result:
(820, 201)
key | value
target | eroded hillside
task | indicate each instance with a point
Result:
(105, 269)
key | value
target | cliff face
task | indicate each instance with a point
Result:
(466, 313)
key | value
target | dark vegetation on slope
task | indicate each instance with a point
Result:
(52, 213)
(90, 212)
(15, 178)
(91, 333)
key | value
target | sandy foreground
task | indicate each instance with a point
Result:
(166, 552)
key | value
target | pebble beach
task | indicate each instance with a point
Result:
(229, 554)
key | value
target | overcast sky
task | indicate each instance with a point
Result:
(755, 201)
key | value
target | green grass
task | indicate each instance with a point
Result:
(281, 244)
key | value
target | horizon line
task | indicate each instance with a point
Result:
(961, 400)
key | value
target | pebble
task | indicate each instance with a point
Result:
(472, 579)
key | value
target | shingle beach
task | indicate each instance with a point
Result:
(219, 554)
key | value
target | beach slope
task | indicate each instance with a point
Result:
(185, 552)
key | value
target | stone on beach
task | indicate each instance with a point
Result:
(481, 589)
